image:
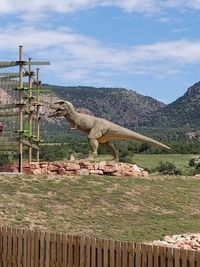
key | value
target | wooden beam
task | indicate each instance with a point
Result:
(4, 139)
(9, 114)
(11, 75)
(27, 143)
(7, 106)
(6, 64)
(39, 63)
(3, 144)
(8, 153)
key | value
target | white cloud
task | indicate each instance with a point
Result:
(178, 4)
(61, 6)
(194, 4)
(182, 52)
(184, 29)
(81, 58)
(134, 5)
(28, 9)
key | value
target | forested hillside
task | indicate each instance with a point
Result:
(119, 105)
(184, 112)
(178, 121)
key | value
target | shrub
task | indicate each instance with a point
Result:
(193, 171)
(168, 167)
(191, 162)
(126, 159)
(194, 164)
(197, 163)
(5, 160)
(54, 152)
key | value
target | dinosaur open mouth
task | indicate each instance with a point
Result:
(56, 113)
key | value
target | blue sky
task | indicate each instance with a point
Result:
(149, 46)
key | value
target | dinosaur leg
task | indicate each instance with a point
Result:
(93, 136)
(113, 150)
(94, 144)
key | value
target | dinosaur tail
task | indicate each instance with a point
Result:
(142, 138)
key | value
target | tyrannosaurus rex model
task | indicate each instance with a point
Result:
(99, 131)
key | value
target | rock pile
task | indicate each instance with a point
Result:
(84, 168)
(185, 241)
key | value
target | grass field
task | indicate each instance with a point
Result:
(151, 161)
(137, 209)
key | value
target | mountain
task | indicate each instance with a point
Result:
(122, 106)
(144, 114)
(184, 112)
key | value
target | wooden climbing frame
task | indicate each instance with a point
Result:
(26, 104)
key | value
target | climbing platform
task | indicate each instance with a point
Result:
(20, 111)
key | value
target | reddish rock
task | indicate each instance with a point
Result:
(43, 163)
(90, 166)
(96, 166)
(34, 165)
(145, 173)
(184, 241)
(36, 171)
(110, 169)
(72, 167)
(14, 169)
(99, 172)
(87, 165)
(112, 163)
(57, 163)
(81, 168)
(135, 168)
(44, 170)
(83, 164)
(27, 171)
(53, 167)
(126, 167)
(10, 168)
(82, 172)
(101, 165)
(26, 165)
(62, 171)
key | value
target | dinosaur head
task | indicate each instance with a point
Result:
(61, 108)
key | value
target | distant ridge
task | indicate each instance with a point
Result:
(184, 112)
(125, 107)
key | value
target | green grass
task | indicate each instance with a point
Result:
(137, 209)
(151, 161)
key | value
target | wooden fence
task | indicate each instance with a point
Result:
(25, 248)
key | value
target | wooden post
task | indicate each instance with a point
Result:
(38, 114)
(20, 108)
(30, 118)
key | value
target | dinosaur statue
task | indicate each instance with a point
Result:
(99, 130)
